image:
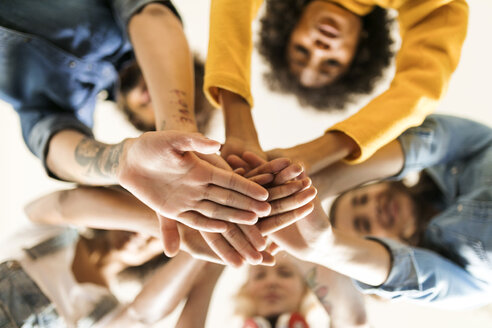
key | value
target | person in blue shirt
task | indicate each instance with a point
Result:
(56, 56)
(430, 243)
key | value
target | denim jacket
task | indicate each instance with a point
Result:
(56, 56)
(453, 267)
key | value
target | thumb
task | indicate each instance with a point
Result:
(194, 142)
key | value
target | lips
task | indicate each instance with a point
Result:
(388, 211)
(328, 27)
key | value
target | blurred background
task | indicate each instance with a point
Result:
(280, 123)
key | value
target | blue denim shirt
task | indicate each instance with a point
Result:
(453, 268)
(56, 56)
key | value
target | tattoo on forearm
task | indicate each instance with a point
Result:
(321, 291)
(99, 159)
(178, 99)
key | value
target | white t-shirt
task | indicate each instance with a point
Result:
(53, 272)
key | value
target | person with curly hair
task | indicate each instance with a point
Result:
(326, 53)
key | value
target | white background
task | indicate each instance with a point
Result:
(280, 123)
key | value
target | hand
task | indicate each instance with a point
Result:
(320, 152)
(295, 154)
(219, 248)
(306, 236)
(161, 170)
(290, 192)
(237, 146)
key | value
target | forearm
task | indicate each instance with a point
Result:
(238, 118)
(336, 178)
(73, 156)
(164, 56)
(336, 293)
(99, 208)
(364, 260)
(196, 308)
(166, 289)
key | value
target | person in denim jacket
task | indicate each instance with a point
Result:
(55, 57)
(430, 243)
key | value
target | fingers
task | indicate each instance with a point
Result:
(228, 198)
(262, 179)
(215, 160)
(277, 222)
(254, 236)
(289, 173)
(200, 222)
(292, 202)
(237, 162)
(222, 248)
(232, 181)
(288, 189)
(170, 236)
(213, 210)
(253, 159)
(273, 166)
(268, 259)
(183, 142)
(241, 244)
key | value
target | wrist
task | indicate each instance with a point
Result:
(123, 162)
(327, 149)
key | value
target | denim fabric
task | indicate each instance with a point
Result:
(22, 303)
(56, 56)
(454, 267)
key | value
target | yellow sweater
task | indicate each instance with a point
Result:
(432, 33)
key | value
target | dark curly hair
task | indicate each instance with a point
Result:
(372, 56)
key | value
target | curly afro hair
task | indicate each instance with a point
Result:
(373, 56)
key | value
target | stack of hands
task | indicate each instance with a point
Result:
(222, 211)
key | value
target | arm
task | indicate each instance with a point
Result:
(195, 311)
(382, 266)
(161, 170)
(336, 293)
(312, 239)
(440, 139)
(156, 32)
(228, 71)
(181, 277)
(432, 35)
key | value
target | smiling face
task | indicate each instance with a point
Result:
(323, 43)
(379, 210)
(275, 290)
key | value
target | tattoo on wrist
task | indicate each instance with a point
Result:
(178, 99)
(99, 159)
(321, 291)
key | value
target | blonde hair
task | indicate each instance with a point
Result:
(244, 306)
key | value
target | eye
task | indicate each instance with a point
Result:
(258, 275)
(363, 199)
(301, 50)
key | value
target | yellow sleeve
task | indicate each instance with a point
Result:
(228, 64)
(432, 34)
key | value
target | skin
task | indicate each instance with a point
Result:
(377, 210)
(323, 43)
(275, 290)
